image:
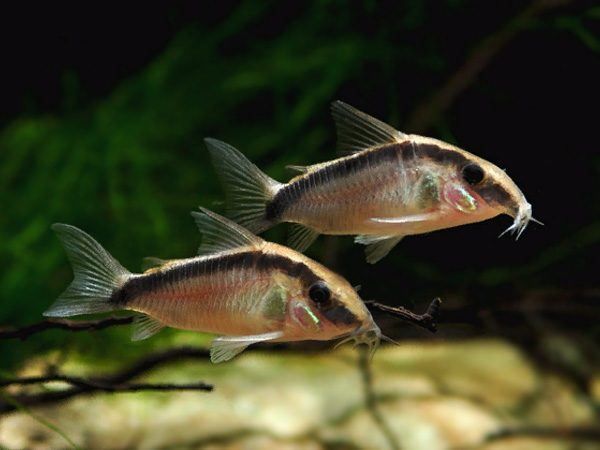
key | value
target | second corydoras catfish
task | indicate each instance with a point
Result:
(242, 287)
(390, 186)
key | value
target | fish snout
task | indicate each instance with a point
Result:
(368, 334)
(522, 215)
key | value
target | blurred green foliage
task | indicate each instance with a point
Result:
(128, 168)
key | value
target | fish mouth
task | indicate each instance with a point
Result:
(521, 219)
(370, 336)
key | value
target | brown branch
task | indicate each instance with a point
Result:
(62, 324)
(92, 385)
(427, 320)
(590, 433)
(433, 107)
(364, 365)
(116, 382)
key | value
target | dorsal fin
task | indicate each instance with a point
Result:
(219, 233)
(301, 237)
(358, 131)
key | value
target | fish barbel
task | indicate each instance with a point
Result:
(390, 186)
(241, 287)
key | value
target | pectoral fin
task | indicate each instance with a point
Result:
(377, 247)
(226, 347)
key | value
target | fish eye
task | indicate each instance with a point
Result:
(472, 173)
(319, 293)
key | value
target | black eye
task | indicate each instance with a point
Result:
(319, 292)
(472, 173)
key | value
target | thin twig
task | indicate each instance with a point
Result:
(116, 382)
(96, 385)
(427, 320)
(433, 107)
(41, 420)
(62, 324)
(591, 433)
(364, 365)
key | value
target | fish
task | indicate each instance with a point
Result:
(240, 287)
(390, 185)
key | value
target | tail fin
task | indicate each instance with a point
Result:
(247, 188)
(97, 275)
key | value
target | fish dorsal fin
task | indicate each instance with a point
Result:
(301, 237)
(226, 347)
(219, 233)
(145, 326)
(358, 131)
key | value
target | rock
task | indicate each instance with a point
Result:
(432, 396)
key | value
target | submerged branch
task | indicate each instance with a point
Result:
(591, 433)
(427, 320)
(116, 382)
(95, 385)
(441, 100)
(62, 324)
(364, 365)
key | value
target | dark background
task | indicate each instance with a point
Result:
(104, 109)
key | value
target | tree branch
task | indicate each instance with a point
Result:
(116, 382)
(62, 324)
(591, 433)
(364, 365)
(427, 320)
(91, 385)
(428, 111)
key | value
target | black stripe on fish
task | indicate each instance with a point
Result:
(256, 260)
(442, 155)
(490, 191)
(340, 314)
(493, 192)
(294, 191)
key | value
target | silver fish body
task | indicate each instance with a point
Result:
(392, 185)
(242, 287)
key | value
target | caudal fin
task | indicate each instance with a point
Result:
(96, 275)
(247, 188)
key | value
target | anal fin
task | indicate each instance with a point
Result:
(301, 237)
(226, 347)
(377, 247)
(145, 326)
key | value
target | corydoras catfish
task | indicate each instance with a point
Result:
(241, 287)
(391, 185)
